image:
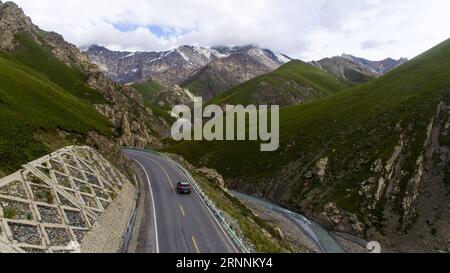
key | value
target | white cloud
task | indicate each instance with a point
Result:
(301, 28)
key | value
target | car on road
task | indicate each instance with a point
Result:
(184, 187)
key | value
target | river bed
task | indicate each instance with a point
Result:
(320, 235)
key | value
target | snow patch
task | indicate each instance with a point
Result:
(219, 55)
(283, 58)
(203, 51)
(131, 54)
(161, 56)
(184, 56)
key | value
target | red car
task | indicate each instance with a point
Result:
(184, 187)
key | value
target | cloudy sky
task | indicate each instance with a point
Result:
(305, 29)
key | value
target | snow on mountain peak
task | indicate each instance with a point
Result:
(283, 58)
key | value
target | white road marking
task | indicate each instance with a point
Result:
(209, 210)
(182, 211)
(165, 172)
(153, 203)
(195, 245)
(195, 190)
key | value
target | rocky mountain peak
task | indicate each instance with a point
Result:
(205, 71)
(271, 58)
(10, 4)
(96, 48)
(11, 13)
(378, 67)
(13, 20)
(355, 69)
(235, 66)
(176, 65)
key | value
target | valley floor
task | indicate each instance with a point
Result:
(301, 233)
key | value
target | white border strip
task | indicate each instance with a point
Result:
(208, 203)
(153, 203)
(207, 207)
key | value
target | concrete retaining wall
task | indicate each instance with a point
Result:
(54, 202)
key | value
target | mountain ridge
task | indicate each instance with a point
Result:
(293, 83)
(147, 65)
(371, 160)
(58, 66)
(379, 67)
(357, 70)
(206, 72)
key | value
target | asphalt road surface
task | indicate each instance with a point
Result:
(175, 223)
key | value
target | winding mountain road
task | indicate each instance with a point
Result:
(175, 223)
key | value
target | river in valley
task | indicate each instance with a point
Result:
(320, 235)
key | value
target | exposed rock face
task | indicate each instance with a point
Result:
(357, 70)
(345, 69)
(12, 21)
(206, 71)
(213, 175)
(403, 203)
(378, 67)
(340, 220)
(68, 53)
(134, 123)
(293, 83)
(223, 74)
(170, 96)
(128, 113)
(169, 66)
(321, 168)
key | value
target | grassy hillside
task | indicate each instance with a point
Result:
(32, 107)
(292, 83)
(202, 81)
(210, 82)
(147, 89)
(41, 59)
(356, 77)
(52, 96)
(224, 74)
(408, 94)
(352, 130)
(345, 70)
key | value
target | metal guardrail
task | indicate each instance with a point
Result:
(216, 212)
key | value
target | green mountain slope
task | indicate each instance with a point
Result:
(293, 83)
(371, 160)
(225, 73)
(345, 70)
(148, 89)
(40, 58)
(33, 107)
(51, 96)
